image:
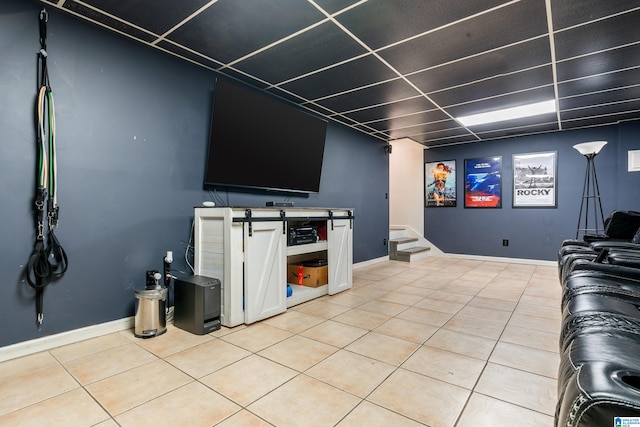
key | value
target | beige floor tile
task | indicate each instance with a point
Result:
(257, 337)
(484, 411)
(371, 291)
(348, 299)
(323, 309)
(304, 401)
(445, 295)
(334, 333)
(110, 362)
(448, 307)
(387, 349)
(521, 388)
(22, 365)
(414, 290)
(526, 359)
(551, 312)
(299, 353)
(475, 326)
(70, 409)
(243, 418)
(452, 368)
(362, 319)
(547, 341)
(494, 304)
(544, 324)
(351, 372)
(248, 379)
(401, 297)
(192, 405)
(293, 321)
(88, 347)
(207, 358)
(226, 331)
(491, 314)
(428, 317)
(127, 390)
(406, 330)
(427, 400)
(172, 341)
(513, 296)
(108, 423)
(383, 307)
(539, 300)
(462, 343)
(370, 415)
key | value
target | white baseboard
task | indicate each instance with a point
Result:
(69, 337)
(505, 259)
(370, 262)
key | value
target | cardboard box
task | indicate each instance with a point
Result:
(299, 274)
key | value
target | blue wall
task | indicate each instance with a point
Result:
(534, 233)
(132, 134)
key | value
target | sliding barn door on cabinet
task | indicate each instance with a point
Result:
(340, 254)
(265, 291)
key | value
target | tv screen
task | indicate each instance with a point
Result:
(257, 141)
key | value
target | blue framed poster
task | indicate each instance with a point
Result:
(440, 183)
(483, 182)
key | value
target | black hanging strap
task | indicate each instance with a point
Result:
(48, 259)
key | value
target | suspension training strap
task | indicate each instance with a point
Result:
(48, 261)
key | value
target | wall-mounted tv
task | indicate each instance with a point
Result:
(257, 141)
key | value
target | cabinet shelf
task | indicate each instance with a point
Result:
(302, 294)
(306, 248)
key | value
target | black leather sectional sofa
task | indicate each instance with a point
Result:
(599, 374)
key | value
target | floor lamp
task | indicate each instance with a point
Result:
(590, 190)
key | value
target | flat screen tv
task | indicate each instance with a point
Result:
(257, 141)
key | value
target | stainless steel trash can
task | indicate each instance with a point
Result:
(150, 319)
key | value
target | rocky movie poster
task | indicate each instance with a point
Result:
(534, 180)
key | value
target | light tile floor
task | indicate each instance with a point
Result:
(441, 342)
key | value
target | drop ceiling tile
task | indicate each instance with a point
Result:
(599, 83)
(599, 98)
(443, 142)
(433, 116)
(495, 87)
(631, 105)
(610, 60)
(317, 48)
(567, 13)
(379, 23)
(157, 16)
(403, 107)
(334, 6)
(600, 120)
(381, 93)
(425, 133)
(514, 23)
(599, 35)
(230, 29)
(502, 61)
(351, 75)
(541, 127)
(188, 55)
(109, 22)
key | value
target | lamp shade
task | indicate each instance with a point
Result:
(587, 148)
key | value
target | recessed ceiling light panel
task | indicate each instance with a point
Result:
(519, 112)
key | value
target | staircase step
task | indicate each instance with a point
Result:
(412, 254)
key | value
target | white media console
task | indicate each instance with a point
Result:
(246, 249)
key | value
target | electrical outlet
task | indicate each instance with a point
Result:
(384, 242)
(505, 242)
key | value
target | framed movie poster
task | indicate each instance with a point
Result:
(440, 183)
(482, 182)
(534, 180)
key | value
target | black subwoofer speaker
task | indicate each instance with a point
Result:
(197, 304)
